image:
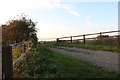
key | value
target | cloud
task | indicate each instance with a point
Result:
(52, 4)
(74, 13)
(13, 5)
(89, 23)
(90, 0)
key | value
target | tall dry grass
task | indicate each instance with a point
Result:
(114, 42)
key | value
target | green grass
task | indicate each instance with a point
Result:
(44, 63)
(89, 46)
(105, 44)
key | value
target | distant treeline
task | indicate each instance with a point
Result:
(18, 30)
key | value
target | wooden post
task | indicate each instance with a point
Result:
(100, 34)
(71, 39)
(57, 40)
(83, 38)
(7, 63)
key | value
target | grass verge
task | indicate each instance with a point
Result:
(44, 63)
(89, 46)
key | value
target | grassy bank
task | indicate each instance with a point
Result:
(44, 63)
(105, 44)
(89, 46)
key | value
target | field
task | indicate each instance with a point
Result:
(41, 62)
(108, 44)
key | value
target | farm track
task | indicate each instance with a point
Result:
(104, 59)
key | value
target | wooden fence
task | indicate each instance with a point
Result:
(7, 58)
(100, 34)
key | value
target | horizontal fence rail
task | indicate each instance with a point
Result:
(18, 60)
(19, 44)
(7, 60)
(24, 53)
(84, 36)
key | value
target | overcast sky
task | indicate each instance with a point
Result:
(59, 18)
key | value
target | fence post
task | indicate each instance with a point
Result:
(7, 63)
(57, 39)
(71, 39)
(83, 38)
(100, 34)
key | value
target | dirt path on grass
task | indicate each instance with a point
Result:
(105, 59)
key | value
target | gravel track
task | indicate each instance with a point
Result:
(104, 59)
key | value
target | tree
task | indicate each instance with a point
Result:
(19, 30)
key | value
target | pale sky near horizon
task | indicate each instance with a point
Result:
(60, 18)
